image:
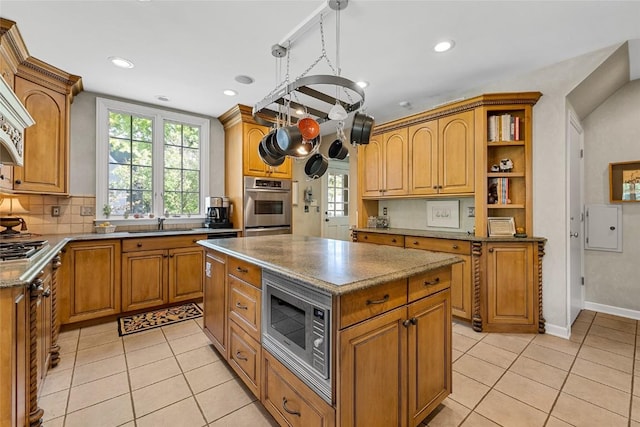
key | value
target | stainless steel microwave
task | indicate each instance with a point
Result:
(296, 329)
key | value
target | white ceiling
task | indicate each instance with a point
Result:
(190, 51)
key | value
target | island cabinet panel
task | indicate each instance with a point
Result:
(90, 285)
(185, 273)
(366, 303)
(144, 279)
(245, 271)
(245, 306)
(511, 294)
(245, 357)
(372, 372)
(215, 300)
(429, 350)
(290, 401)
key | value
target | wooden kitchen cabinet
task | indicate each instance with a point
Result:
(44, 324)
(441, 155)
(245, 357)
(409, 349)
(161, 270)
(215, 300)
(253, 164)
(379, 238)
(91, 280)
(290, 401)
(14, 362)
(384, 166)
(512, 298)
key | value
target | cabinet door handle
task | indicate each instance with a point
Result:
(366, 237)
(455, 246)
(406, 323)
(240, 306)
(37, 287)
(239, 356)
(432, 282)
(47, 293)
(195, 240)
(242, 270)
(171, 256)
(413, 320)
(18, 181)
(165, 256)
(288, 411)
(490, 249)
(139, 245)
(384, 299)
(393, 240)
(415, 242)
(435, 187)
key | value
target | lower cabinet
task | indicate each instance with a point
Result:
(43, 323)
(185, 273)
(215, 299)
(512, 296)
(409, 349)
(291, 402)
(14, 353)
(90, 285)
(245, 357)
(144, 279)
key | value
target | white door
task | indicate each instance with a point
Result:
(335, 201)
(576, 218)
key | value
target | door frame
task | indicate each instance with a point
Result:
(574, 122)
(334, 165)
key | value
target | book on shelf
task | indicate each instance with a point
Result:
(504, 127)
(499, 191)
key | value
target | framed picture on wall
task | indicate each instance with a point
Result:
(501, 226)
(443, 214)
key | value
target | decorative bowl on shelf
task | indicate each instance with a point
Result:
(104, 229)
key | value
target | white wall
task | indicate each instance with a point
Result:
(612, 134)
(412, 214)
(82, 173)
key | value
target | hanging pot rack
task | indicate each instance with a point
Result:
(310, 94)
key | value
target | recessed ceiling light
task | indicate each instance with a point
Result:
(245, 80)
(404, 104)
(230, 92)
(120, 62)
(362, 84)
(162, 98)
(444, 46)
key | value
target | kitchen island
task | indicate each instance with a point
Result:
(388, 327)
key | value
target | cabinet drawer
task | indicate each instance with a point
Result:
(245, 357)
(246, 271)
(168, 242)
(381, 238)
(363, 304)
(439, 245)
(429, 283)
(244, 306)
(290, 401)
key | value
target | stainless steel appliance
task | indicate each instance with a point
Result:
(21, 251)
(296, 329)
(218, 212)
(267, 206)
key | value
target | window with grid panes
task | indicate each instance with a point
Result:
(154, 161)
(338, 194)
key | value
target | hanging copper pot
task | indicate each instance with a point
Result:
(309, 128)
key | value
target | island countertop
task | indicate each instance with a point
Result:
(335, 266)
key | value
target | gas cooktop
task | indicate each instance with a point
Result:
(20, 250)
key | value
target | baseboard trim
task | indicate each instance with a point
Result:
(558, 331)
(609, 309)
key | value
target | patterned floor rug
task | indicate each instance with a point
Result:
(157, 318)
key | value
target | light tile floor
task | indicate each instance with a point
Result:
(173, 377)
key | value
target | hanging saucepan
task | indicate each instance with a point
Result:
(289, 139)
(361, 128)
(309, 128)
(316, 166)
(269, 159)
(271, 146)
(338, 150)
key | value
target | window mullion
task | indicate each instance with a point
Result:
(158, 165)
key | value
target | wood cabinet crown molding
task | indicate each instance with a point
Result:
(12, 42)
(240, 114)
(525, 98)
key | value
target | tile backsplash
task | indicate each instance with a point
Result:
(40, 221)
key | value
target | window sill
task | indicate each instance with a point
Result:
(151, 221)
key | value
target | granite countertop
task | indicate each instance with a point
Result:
(21, 273)
(334, 266)
(449, 235)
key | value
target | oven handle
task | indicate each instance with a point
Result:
(266, 190)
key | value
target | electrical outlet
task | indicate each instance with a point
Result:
(55, 210)
(384, 211)
(86, 210)
(471, 211)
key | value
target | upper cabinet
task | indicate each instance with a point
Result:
(469, 148)
(46, 92)
(252, 163)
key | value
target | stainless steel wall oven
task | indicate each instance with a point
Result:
(267, 206)
(296, 329)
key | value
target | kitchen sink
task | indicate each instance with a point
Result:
(168, 230)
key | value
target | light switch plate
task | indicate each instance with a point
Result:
(86, 211)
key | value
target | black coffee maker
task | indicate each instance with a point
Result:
(218, 212)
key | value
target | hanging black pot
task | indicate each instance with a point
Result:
(361, 128)
(338, 150)
(268, 158)
(316, 166)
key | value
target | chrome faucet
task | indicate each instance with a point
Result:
(161, 223)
